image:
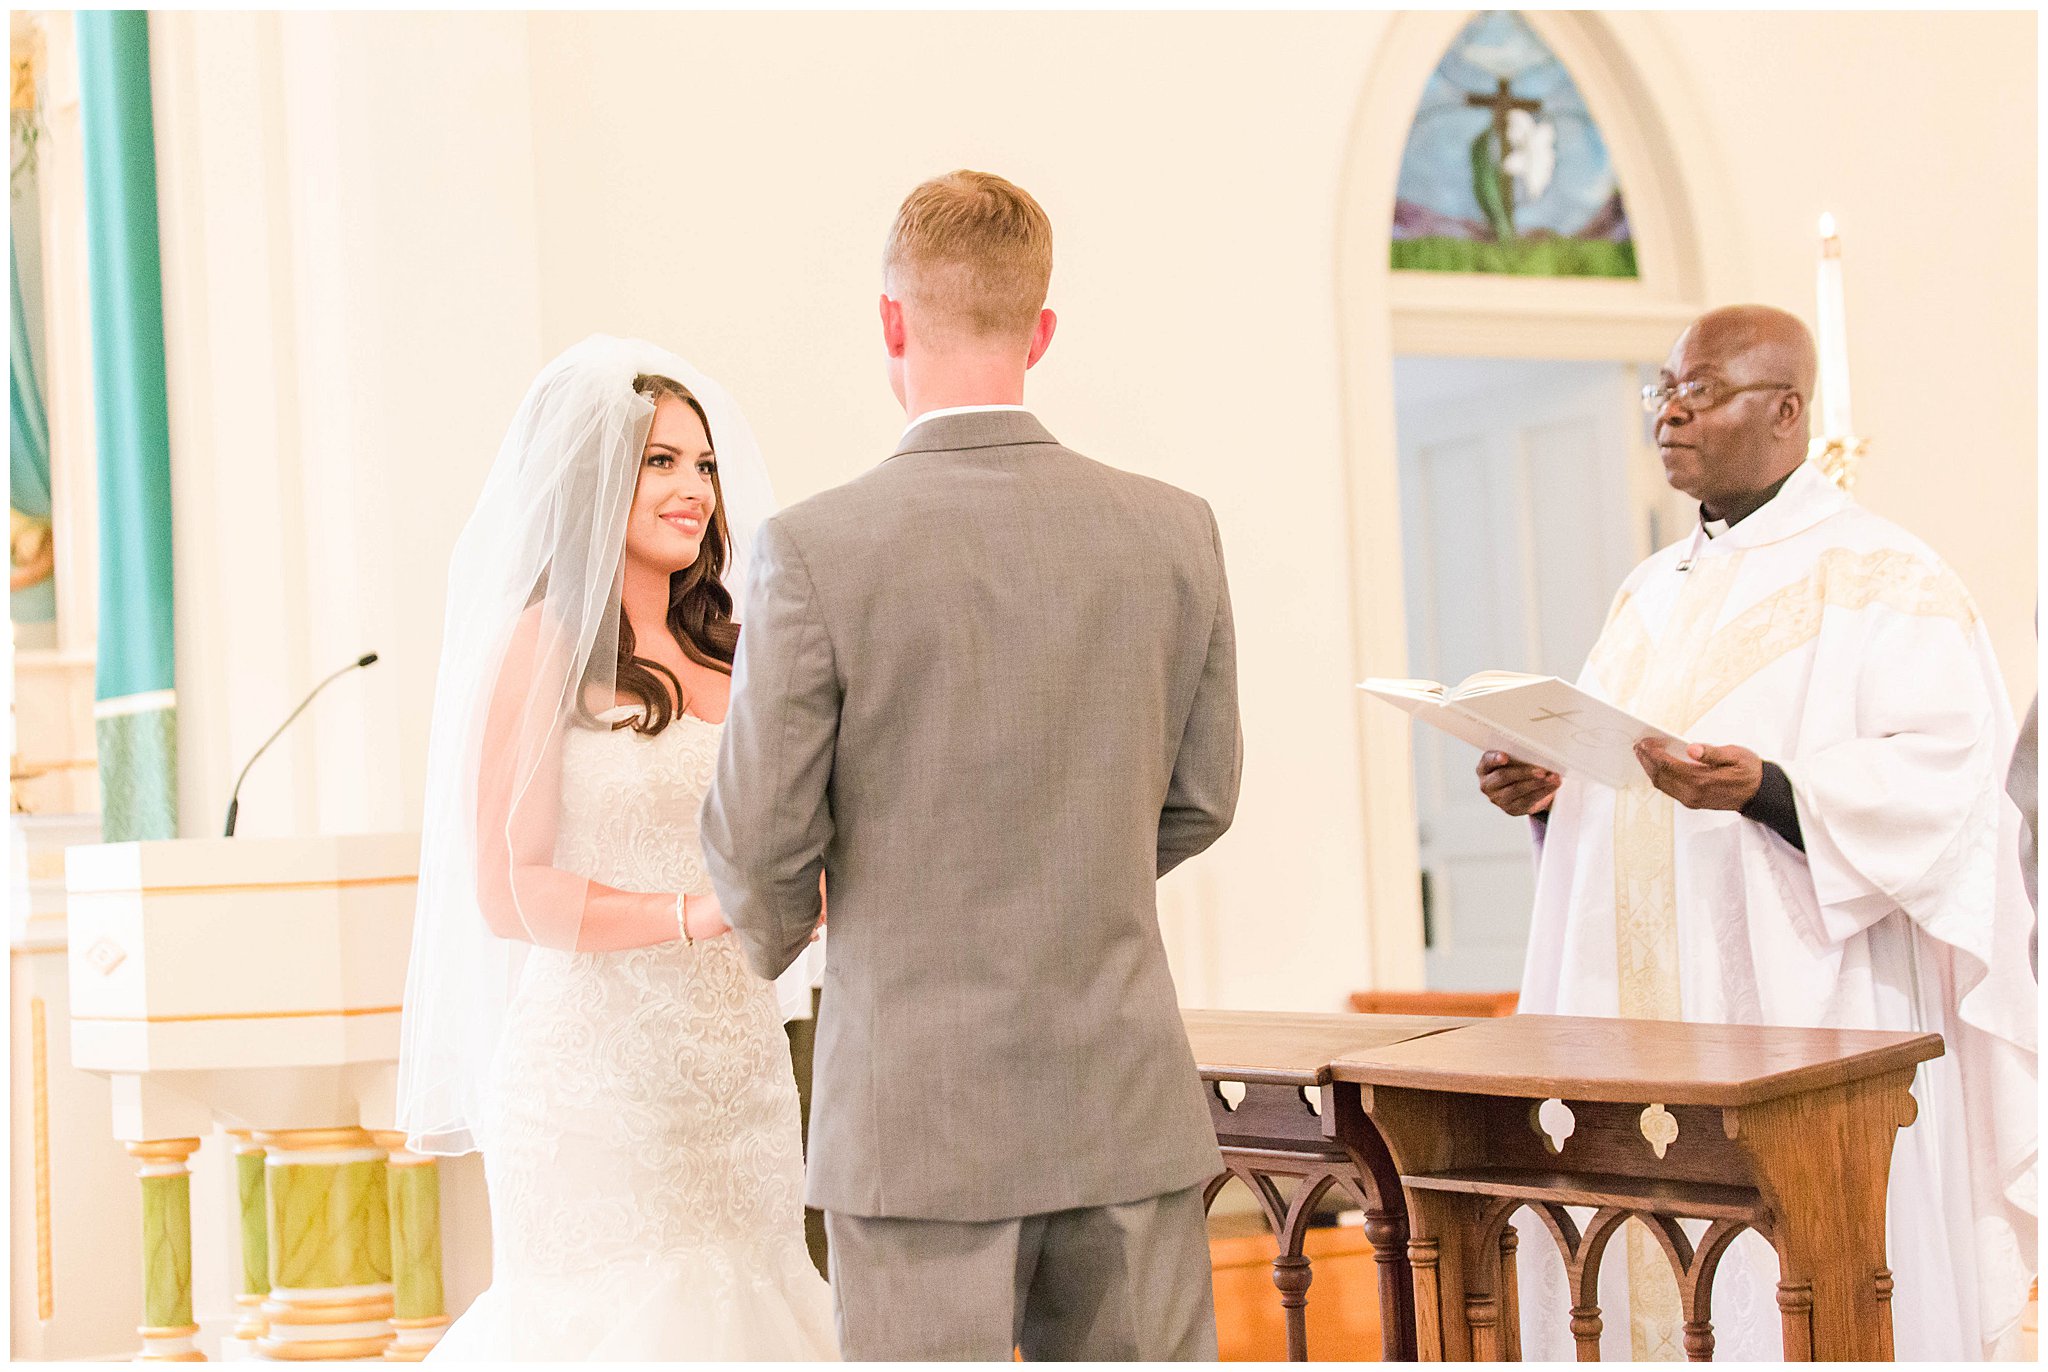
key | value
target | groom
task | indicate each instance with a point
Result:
(990, 689)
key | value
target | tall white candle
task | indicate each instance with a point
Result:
(1834, 336)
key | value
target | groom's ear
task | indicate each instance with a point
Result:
(1041, 338)
(892, 326)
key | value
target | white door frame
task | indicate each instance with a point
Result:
(1688, 252)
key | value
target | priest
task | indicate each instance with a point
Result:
(1835, 849)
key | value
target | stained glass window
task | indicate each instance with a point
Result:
(1505, 170)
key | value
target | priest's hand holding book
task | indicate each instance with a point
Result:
(1518, 788)
(1707, 777)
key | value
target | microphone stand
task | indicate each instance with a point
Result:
(235, 797)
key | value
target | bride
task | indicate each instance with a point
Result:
(573, 1008)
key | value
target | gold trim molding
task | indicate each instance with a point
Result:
(302, 1314)
(39, 1039)
(221, 889)
(347, 1012)
(161, 1150)
(295, 1140)
(183, 1331)
(322, 1350)
(250, 1322)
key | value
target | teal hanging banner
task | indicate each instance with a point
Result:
(28, 439)
(136, 713)
(28, 459)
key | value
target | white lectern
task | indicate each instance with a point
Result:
(255, 983)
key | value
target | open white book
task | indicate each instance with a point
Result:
(1537, 719)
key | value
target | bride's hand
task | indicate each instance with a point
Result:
(704, 917)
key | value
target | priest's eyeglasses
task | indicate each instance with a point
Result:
(1703, 394)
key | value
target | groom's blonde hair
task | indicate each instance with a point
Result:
(970, 253)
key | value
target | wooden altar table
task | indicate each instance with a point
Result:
(1281, 1130)
(1785, 1131)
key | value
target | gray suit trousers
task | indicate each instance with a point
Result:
(1124, 1282)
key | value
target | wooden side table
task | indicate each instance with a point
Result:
(1280, 1131)
(1785, 1131)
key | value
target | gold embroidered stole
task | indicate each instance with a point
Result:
(1654, 682)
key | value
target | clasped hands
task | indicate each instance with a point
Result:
(705, 918)
(1709, 777)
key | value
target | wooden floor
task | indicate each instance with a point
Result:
(1343, 1299)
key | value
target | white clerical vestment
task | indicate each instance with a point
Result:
(1838, 646)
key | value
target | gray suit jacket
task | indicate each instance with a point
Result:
(990, 689)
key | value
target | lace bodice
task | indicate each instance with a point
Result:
(629, 804)
(642, 1106)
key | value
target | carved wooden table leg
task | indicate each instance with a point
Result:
(1277, 1110)
(1696, 1288)
(1823, 1160)
(1436, 1255)
(1884, 1303)
(1317, 1138)
(1387, 1226)
(1291, 1271)
(1288, 1221)
(1489, 1302)
(1510, 1295)
(1795, 1311)
(1387, 1231)
(1292, 1276)
(1583, 1264)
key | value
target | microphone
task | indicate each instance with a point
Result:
(234, 798)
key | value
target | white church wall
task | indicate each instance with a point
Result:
(1236, 126)
(377, 226)
(1917, 129)
(723, 182)
(351, 315)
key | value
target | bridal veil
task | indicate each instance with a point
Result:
(530, 640)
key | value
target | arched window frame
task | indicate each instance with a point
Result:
(1689, 253)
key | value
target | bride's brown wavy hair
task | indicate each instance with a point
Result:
(699, 606)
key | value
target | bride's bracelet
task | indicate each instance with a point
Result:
(683, 919)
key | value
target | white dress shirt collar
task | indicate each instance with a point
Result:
(958, 409)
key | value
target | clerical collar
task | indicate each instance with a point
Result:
(1714, 528)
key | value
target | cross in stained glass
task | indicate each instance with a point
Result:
(1502, 102)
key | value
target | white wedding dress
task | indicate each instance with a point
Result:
(640, 1133)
